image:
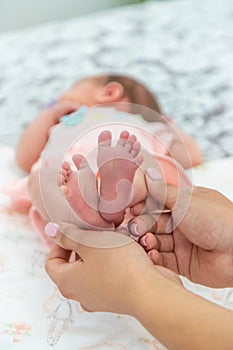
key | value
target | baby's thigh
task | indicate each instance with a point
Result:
(34, 189)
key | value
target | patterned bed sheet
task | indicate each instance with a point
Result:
(33, 313)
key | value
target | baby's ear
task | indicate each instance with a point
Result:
(111, 92)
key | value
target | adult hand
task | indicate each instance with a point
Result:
(196, 240)
(106, 279)
(124, 280)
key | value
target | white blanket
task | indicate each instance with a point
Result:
(33, 313)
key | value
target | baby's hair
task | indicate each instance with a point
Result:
(137, 93)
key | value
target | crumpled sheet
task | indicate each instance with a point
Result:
(33, 313)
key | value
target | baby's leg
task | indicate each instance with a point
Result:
(117, 167)
(80, 190)
(78, 204)
(51, 202)
(35, 193)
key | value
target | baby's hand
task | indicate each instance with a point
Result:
(61, 108)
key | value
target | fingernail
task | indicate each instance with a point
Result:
(134, 230)
(143, 241)
(150, 254)
(51, 229)
(154, 174)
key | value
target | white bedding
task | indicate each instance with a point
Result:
(33, 313)
(181, 49)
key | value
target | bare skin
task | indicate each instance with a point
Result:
(81, 203)
(117, 167)
(35, 137)
(178, 318)
(196, 239)
(153, 294)
(80, 190)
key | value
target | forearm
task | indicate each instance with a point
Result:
(182, 320)
(33, 141)
(36, 135)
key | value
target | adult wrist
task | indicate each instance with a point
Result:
(149, 287)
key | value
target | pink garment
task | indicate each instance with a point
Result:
(157, 140)
(21, 202)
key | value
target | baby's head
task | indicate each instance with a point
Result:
(107, 89)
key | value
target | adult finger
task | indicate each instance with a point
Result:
(160, 191)
(56, 231)
(78, 239)
(150, 223)
(57, 263)
(66, 243)
(164, 259)
(166, 242)
(64, 273)
(163, 242)
(149, 241)
(176, 199)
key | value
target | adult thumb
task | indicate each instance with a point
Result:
(163, 193)
(72, 237)
(177, 199)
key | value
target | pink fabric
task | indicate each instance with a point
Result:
(17, 191)
(21, 202)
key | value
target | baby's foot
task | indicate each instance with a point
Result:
(79, 188)
(117, 167)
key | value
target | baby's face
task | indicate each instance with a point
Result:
(84, 92)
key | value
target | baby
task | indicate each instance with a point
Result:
(98, 90)
(122, 186)
(119, 187)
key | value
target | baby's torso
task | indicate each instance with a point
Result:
(78, 133)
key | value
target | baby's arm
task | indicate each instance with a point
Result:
(36, 135)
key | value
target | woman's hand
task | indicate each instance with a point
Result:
(101, 279)
(196, 240)
(124, 280)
